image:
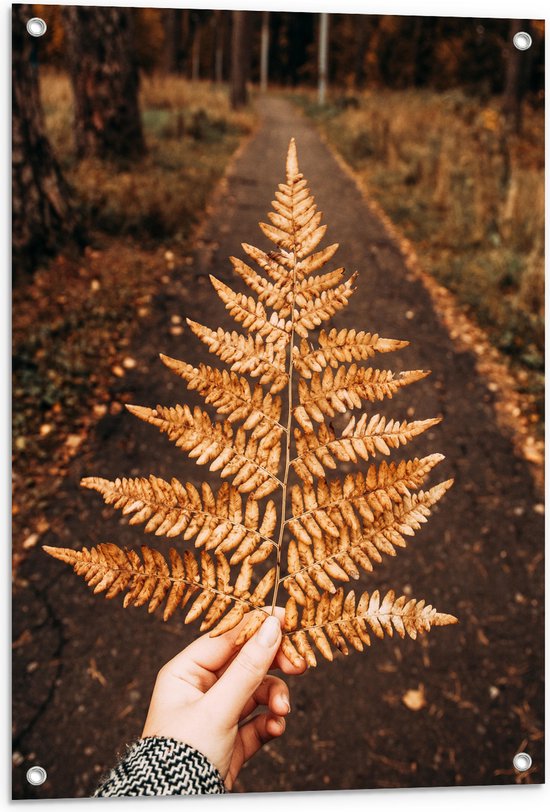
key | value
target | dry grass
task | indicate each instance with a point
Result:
(470, 197)
(190, 132)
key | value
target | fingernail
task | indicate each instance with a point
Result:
(286, 703)
(269, 631)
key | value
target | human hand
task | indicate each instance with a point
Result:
(204, 696)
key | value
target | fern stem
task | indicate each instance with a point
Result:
(287, 467)
(287, 443)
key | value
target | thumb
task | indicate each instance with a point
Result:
(232, 691)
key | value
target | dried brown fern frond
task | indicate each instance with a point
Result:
(318, 531)
(337, 620)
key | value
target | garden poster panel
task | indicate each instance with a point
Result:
(278, 396)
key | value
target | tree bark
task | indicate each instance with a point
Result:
(219, 23)
(240, 58)
(264, 56)
(44, 215)
(360, 53)
(323, 57)
(172, 21)
(517, 65)
(105, 82)
(196, 53)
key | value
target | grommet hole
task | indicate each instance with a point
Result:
(522, 762)
(36, 27)
(36, 776)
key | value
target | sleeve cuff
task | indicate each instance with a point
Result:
(158, 766)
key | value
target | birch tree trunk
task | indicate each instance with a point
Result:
(323, 58)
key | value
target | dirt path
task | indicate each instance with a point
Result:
(83, 668)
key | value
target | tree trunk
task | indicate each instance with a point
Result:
(517, 66)
(105, 82)
(240, 58)
(264, 57)
(219, 17)
(44, 217)
(172, 20)
(323, 58)
(360, 53)
(196, 53)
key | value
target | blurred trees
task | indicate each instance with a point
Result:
(366, 50)
(518, 64)
(105, 48)
(104, 73)
(220, 34)
(240, 57)
(172, 21)
(44, 217)
(264, 52)
(323, 56)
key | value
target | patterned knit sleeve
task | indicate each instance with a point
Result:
(159, 766)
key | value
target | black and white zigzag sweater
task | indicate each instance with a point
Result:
(159, 766)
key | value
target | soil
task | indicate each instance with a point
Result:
(452, 708)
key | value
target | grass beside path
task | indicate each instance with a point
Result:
(73, 324)
(190, 132)
(469, 198)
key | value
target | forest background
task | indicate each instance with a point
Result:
(122, 169)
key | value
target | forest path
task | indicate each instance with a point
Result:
(84, 668)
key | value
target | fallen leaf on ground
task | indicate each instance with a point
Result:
(414, 699)
(31, 541)
(73, 440)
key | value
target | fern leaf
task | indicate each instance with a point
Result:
(333, 529)
(315, 262)
(337, 620)
(314, 311)
(361, 440)
(277, 264)
(275, 295)
(251, 313)
(274, 264)
(341, 346)
(336, 503)
(247, 355)
(216, 522)
(313, 287)
(151, 580)
(346, 389)
(307, 294)
(252, 463)
(329, 558)
(231, 395)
